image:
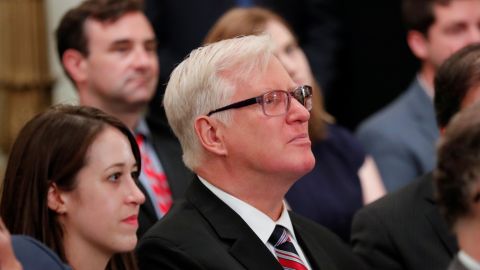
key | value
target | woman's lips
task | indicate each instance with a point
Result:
(131, 220)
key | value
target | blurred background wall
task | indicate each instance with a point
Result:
(31, 77)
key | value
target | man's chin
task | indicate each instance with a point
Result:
(137, 105)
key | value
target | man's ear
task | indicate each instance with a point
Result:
(75, 64)
(418, 43)
(55, 200)
(210, 135)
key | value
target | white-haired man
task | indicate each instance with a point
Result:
(242, 123)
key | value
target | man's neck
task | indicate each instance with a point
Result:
(427, 75)
(265, 194)
(468, 236)
(129, 118)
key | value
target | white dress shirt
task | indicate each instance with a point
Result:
(261, 224)
(468, 261)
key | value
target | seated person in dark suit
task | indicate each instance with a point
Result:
(404, 230)
(344, 177)
(243, 126)
(457, 182)
(401, 137)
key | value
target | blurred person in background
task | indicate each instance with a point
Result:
(108, 50)
(405, 230)
(401, 137)
(457, 182)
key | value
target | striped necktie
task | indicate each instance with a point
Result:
(284, 249)
(156, 179)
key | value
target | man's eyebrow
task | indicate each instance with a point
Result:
(121, 42)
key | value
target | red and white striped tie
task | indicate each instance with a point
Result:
(285, 250)
(156, 179)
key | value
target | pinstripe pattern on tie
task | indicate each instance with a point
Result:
(285, 250)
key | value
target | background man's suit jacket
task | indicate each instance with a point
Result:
(169, 153)
(401, 137)
(202, 232)
(404, 230)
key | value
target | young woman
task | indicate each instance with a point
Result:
(344, 177)
(70, 182)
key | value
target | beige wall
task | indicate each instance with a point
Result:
(63, 90)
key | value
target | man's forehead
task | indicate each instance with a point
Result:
(274, 77)
(128, 26)
(453, 10)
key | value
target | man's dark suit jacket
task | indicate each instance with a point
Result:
(202, 232)
(404, 230)
(456, 264)
(169, 153)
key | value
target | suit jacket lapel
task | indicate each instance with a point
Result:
(314, 252)
(424, 111)
(434, 217)
(245, 246)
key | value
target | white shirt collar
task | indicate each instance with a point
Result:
(468, 261)
(142, 128)
(428, 90)
(259, 222)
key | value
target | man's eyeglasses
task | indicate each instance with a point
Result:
(276, 102)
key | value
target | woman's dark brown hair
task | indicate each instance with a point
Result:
(252, 21)
(51, 148)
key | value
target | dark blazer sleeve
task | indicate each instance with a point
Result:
(158, 253)
(324, 249)
(371, 241)
(34, 255)
(404, 230)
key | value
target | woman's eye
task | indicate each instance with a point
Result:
(135, 175)
(114, 177)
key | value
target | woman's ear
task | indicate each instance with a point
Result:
(55, 200)
(210, 134)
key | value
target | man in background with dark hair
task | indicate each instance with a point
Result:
(457, 180)
(404, 230)
(401, 137)
(108, 50)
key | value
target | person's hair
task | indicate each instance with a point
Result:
(457, 175)
(206, 80)
(456, 76)
(70, 33)
(419, 15)
(51, 149)
(252, 21)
